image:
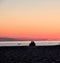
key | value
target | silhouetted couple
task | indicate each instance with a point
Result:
(32, 43)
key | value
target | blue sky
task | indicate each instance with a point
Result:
(30, 1)
(36, 4)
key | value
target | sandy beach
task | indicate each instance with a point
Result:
(26, 54)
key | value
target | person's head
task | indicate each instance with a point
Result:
(32, 43)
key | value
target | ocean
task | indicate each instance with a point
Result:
(26, 43)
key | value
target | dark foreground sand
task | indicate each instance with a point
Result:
(32, 54)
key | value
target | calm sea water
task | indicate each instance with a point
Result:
(26, 43)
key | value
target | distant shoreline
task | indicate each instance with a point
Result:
(29, 40)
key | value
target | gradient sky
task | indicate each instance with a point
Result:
(30, 19)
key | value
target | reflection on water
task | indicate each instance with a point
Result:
(26, 43)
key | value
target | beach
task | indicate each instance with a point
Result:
(30, 54)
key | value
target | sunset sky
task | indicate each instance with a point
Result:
(30, 19)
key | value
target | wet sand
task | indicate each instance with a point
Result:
(26, 43)
(30, 54)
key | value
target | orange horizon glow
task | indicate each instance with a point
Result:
(34, 19)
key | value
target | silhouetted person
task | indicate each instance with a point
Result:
(32, 43)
